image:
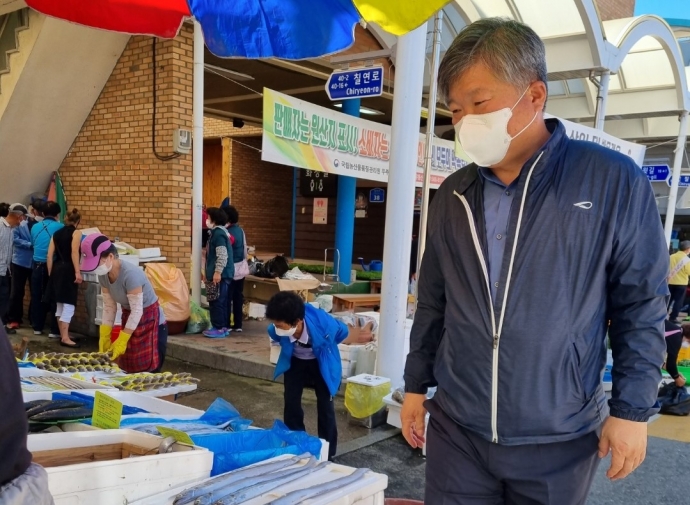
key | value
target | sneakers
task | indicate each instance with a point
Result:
(53, 335)
(216, 333)
(36, 332)
(237, 330)
(13, 326)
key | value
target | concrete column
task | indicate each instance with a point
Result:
(345, 211)
(197, 160)
(675, 178)
(407, 100)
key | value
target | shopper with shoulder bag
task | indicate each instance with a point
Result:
(239, 253)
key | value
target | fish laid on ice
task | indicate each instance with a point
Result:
(297, 497)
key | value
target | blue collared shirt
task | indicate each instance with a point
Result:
(23, 250)
(498, 199)
(41, 233)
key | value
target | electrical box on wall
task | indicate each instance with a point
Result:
(182, 141)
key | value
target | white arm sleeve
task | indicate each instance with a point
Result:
(109, 310)
(136, 307)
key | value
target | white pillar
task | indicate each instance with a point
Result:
(675, 178)
(602, 100)
(197, 160)
(407, 101)
(430, 126)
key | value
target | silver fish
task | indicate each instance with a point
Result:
(296, 497)
(268, 484)
(208, 487)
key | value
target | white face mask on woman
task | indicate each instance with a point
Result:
(103, 268)
(485, 137)
(285, 333)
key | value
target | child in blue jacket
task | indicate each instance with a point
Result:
(309, 357)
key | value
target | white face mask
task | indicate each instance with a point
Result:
(285, 333)
(103, 269)
(485, 138)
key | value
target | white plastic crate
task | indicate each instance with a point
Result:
(119, 481)
(348, 368)
(367, 491)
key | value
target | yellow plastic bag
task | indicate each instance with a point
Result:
(364, 395)
(172, 290)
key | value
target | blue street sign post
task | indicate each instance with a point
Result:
(656, 173)
(377, 195)
(358, 83)
(683, 183)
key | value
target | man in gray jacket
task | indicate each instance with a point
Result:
(533, 252)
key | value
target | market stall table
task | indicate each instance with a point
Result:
(342, 303)
(260, 289)
(375, 287)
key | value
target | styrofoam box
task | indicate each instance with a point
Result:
(348, 368)
(366, 379)
(367, 491)
(349, 352)
(397, 377)
(119, 481)
(257, 310)
(155, 406)
(46, 395)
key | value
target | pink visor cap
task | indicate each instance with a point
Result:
(91, 249)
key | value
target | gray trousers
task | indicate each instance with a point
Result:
(464, 469)
(30, 488)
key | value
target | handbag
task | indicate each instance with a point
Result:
(212, 291)
(242, 267)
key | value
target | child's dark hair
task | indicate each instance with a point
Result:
(217, 215)
(52, 209)
(4, 209)
(233, 215)
(286, 307)
(110, 250)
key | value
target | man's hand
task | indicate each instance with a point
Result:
(627, 442)
(680, 381)
(413, 417)
(359, 335)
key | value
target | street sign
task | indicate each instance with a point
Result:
(683, 183)
(358, 83)
(377, 195)
(656, 173)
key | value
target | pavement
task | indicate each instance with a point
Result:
(661, 480)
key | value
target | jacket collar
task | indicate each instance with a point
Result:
(552, 149)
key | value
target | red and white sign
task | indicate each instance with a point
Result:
(320, 211)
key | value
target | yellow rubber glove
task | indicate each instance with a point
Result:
(104, 342)
(119, 347)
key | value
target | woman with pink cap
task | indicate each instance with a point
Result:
(141, 344)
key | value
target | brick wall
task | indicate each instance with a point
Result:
(615, 9)
(214, 128)
(111, 174)
(262, 194)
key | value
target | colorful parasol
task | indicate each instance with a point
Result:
(289, 29)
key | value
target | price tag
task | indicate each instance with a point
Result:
(179, 436)
(107, 412)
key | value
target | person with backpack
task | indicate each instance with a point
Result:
(239, 258)
(218, 273)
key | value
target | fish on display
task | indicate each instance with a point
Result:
(52, 405)
(71, 414)
(34, 403)
(297, 497)
(227, 479)
(269, 482)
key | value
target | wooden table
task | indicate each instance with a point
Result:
(343, 303)
(375, 287)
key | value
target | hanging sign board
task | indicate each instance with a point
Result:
(683, 183)
(320, 211)
(357, 83)
(656, 173)
(377, 195)
(300, 134)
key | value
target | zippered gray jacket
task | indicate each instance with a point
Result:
(585, 248)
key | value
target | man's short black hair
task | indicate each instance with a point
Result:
(4, 209)
(217, 215)
(285, 307)
(52, 209)
(233, 215)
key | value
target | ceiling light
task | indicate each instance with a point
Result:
(362, 110)
(230, 74)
